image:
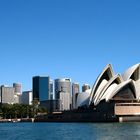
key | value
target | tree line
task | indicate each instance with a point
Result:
(10, 111)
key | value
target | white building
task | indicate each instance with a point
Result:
(62, 86)
(65, 101)
(9, 95)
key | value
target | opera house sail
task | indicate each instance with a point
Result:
(117, 94)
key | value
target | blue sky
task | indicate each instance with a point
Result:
(67, 38)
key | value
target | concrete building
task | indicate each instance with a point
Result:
(85, 87)
(65, 101)
(75, 91)
(62, 87)
(42, 88)
(51, 90)
(27, 97)
(18, 88)
(10, 95)
(18, 91)
(7, 94)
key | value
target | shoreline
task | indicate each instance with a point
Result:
(16, 120)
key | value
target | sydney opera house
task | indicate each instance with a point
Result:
(116, 95)
(113, 97)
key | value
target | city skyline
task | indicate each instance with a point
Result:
(73, 39)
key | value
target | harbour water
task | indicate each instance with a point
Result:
(69, 131)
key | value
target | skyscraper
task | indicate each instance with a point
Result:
(18, 92)
(51, 90)
(75, 91)
(62, 87)
(85, 87)
(41, 88)
(64, 100)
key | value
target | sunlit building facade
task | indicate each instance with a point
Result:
(63, 92)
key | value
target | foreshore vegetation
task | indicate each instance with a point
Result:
(11, 111)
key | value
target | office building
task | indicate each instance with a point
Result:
(41, 88)
(27, 97)
(18, 92)
(65, 101)
(18, 88)
(75, 91)
(85, 87)
(51, 90)
(8, 95)
(63, 88)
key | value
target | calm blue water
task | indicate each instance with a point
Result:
(69, 131)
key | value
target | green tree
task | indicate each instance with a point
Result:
(16, 111)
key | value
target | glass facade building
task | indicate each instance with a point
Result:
(41, 88)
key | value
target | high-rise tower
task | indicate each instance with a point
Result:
(41, 88)
(75, 91)
(63, 92)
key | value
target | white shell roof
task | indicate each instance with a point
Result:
(109, 86)
(118, 88)
(127, 74)
(105, 87)
(100, 88)
(95, 88)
